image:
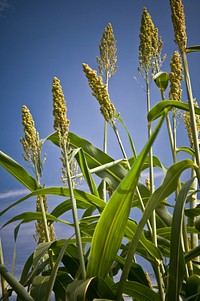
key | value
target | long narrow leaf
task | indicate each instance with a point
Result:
(168, 186)
(16, 286)
(81, 196)
(111, 226)
(86, 172)
(140, 292)
(177, 265)
(18, 172)
(159, 108)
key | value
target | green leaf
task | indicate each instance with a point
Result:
(161, 79)
(81, 196)
(86, 172)
(89, 289)
(39, 287)
(192, 49)
(168, 186)
(27, 217)
(112, 223)
(166, 105)
(18, 172)
(140, 292)
(187, 150)
(16, 286)
(193, 288)
(54, 271)
(95, 158)
(129, 135)
(177, 264)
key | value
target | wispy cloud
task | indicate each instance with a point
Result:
(13, 193)
(4, 5)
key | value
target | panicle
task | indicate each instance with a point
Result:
(61, 123)
(187, 121)
(100, 92)
(178, 20)
(150, 47)
(107, 48)
(31, 143)
(176, 77)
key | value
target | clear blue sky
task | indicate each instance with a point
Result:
(43, 39)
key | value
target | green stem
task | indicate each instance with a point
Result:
(193, 127)
(153, 217)
(3, 281)
(105, 146)
(170, 133)
(192, 111)
(74, 212)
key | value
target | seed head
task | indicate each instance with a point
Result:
(178, 20)
(31, 143)
(107, 50)
(100, 92)
(150, 47)
(175, 77)
(187, 122)
(61, 123)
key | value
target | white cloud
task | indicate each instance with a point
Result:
(13, 193)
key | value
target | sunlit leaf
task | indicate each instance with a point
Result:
(95, 158)
(18, 172)
(161, 79)
(112, 223)
(193, 49)
(177, 264)
(166, 105)
(140, 292)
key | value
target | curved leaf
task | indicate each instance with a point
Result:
(80, 157)
(192, 49)
(89, 289)
(164, 105)
(177, 264)
(16, 286)
(80, 195)
(18, 172)
(95, 158)
(140, 292)
(168, 186)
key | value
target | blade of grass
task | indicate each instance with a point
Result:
(176, 264)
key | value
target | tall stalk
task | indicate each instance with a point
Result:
(107, 68)
(150, 61)
(61, 125)
(32, 147)
(178, 20)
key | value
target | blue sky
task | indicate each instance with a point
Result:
(43, 39)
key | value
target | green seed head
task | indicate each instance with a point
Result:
(31, 143)
(61, 123)
(150, 47)
(187, 122)
(176, 77)
(107, 49)
(100, 92)
(178, 20)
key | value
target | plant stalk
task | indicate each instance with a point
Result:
(193, 202)
(74, 212)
